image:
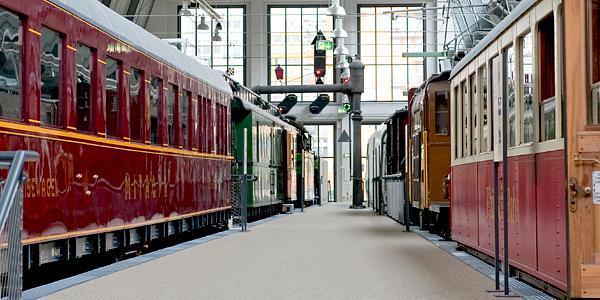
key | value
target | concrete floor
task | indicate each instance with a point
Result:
(328, 252)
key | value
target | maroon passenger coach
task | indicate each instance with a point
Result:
(133, 135)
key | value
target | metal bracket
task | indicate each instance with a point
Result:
(575, 191)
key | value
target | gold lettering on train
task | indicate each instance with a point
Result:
(41, 187)
(489, 201)
(513, 206)
(118, 48)
(136, 187)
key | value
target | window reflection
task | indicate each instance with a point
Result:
(528, 87)
(50, 58)
(183, 110)
(11, 104)
(112, 98)
(84, 87)
(155, 90)
(136, 105)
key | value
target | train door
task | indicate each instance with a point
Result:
(582, 106)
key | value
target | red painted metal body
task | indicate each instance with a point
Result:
(536, 212)
(88, 183)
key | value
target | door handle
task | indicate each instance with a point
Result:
(575, 190)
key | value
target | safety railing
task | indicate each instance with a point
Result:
(11, 222)
(239, 199)
(395, 194)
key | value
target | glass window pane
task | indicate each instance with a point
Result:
(84, 87)
(136, 105)
(474, 114)
(155, 91)
(485, 101)
(11, 103)
(510, 85)
(51, 59)
(183, 111)
(441, 113)
(528, 87)
(112, 98)
(171, 95)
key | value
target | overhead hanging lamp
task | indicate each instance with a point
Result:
(216, 37)
(203, 25)
(336, 9)
(184, 11)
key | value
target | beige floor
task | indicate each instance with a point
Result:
(330, 252)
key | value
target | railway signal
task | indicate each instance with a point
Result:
(318, 105)
(320, 56)
(286, 105)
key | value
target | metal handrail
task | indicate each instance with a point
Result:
(11, 185)
(11, 219)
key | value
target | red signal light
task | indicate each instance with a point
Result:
(319, 72)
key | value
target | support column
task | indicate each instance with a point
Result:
(357, 77)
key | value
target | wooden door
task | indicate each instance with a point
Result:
(583, 153)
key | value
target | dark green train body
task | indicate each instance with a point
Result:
(272, 145)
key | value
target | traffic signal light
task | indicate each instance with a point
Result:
(286, 105)
(318, 105)
(320, 57)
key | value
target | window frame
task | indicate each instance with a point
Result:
(391, 64)
(521, 88)
(119, 78)
(61, 72)
(20, 76)
(208, 19)
(302, 64)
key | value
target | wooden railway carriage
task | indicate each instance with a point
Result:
(132, 134)
(430, 152)
(543, 61)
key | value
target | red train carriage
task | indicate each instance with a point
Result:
(543, 62)
(133, 136)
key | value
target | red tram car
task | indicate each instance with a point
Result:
(543, 60)
(133, 135)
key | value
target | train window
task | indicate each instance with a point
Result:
(136, 105)
(546, 80)
(210, 129)
(11, 102)
(171, 95)
(474, 114)
(595, 48)
(510, 92)
(84, 87)
(51, 61)
(441, 113)
(485, 134)
(184, 103)
(112, 97)
(465, 120)
(155, 90)
(456, 122)
(201, 125)
(528, 87)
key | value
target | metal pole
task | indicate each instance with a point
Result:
(496, 229)
(244, 185)
(406, 203)
(505, 176)
(357, 69)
